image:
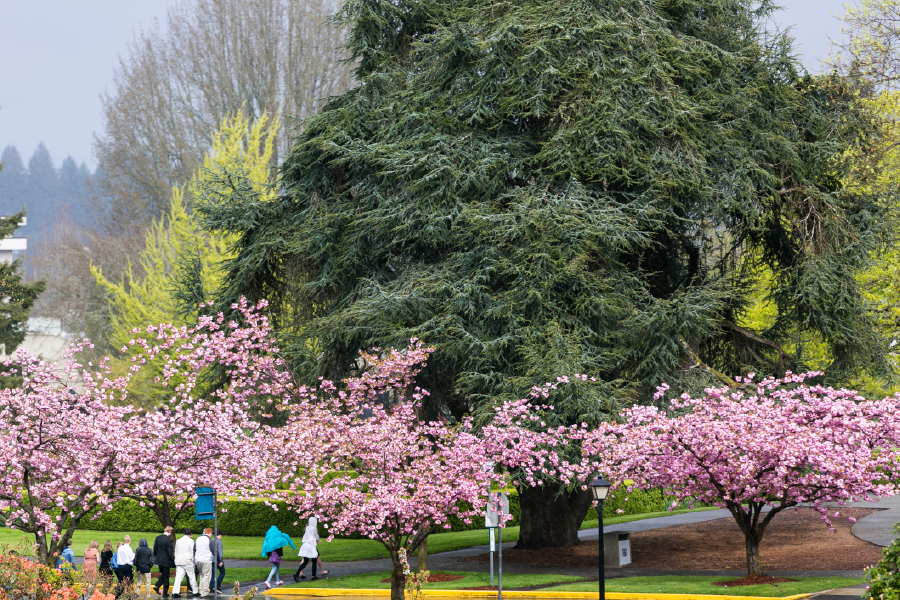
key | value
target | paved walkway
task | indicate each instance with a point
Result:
(878, 528)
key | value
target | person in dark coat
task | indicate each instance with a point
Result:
(143, 562)
(164, 551)
(219, 557)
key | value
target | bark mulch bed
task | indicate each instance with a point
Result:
(434, 578)
(795, 540)
(748, 580)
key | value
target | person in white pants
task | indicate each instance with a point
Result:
(184, 563)
(204, 557)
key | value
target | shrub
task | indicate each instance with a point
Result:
(21, 578)
(884, 577)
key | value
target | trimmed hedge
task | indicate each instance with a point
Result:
(236, 517)
(247, 518)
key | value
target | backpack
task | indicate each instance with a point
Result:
(274, 558)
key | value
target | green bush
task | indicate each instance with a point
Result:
(236, 517)
(884, 577)
(248, 518)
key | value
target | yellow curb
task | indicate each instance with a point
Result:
(326, 592)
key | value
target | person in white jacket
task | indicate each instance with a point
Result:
(308, 549)
(125, 560)
(184, 563)
(204, 557)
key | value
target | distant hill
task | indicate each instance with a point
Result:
(45, 191)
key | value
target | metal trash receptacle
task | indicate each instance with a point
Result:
(617, 549)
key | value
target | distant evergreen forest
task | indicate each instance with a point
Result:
(46, 192)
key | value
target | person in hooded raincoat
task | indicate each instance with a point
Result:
(308, 549)
(143, 562)
(273, 549)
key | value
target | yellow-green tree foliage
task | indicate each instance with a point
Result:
(148, 298)
(875, 170)
(881, 282)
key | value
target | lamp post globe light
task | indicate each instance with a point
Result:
(600, 489)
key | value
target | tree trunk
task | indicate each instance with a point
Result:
(43, 554)
(423, 555)
(551, 519)
(753, 568)
(163, 512)
(398, 580)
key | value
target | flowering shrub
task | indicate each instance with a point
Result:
(24, 578)
(884, 578)
(414, 581)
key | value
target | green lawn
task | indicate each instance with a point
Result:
(249, 547)
(372, 581)
(338, 550)
(703, 585)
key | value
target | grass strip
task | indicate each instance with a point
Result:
(676, 584)
(373, 581)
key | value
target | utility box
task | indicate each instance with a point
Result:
(617, 549)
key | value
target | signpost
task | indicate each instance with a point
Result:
(488, 467)
(498, 504)
(205, 509)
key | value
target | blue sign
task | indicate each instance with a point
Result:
(205, 506)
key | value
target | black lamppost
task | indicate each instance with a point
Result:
(600, 489)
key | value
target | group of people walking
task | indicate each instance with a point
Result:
(187, 557)
(192, 560)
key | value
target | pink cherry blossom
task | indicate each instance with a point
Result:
(775, 446)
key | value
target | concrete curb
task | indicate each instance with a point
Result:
(539, 594)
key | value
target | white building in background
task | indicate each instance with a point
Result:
(46, 339)
(12, 247)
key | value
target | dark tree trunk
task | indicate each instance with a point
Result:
(163, 512)
(551, 519)
(423, 555)
(398, 580)
(753, 568)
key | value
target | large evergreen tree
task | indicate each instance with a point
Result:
(542, 188)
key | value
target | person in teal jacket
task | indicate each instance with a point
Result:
(272, 549)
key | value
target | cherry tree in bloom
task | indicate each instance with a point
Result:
(62, 448)
(779, 445)
(205, 439)
(190, 445)
(71, 445)
(361, 459)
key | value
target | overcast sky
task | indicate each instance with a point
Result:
(57, 57)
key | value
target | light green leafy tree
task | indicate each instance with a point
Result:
(179, 266)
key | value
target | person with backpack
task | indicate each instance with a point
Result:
(273, 550)
(143, 562)
(66, 562)
(164, 551)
